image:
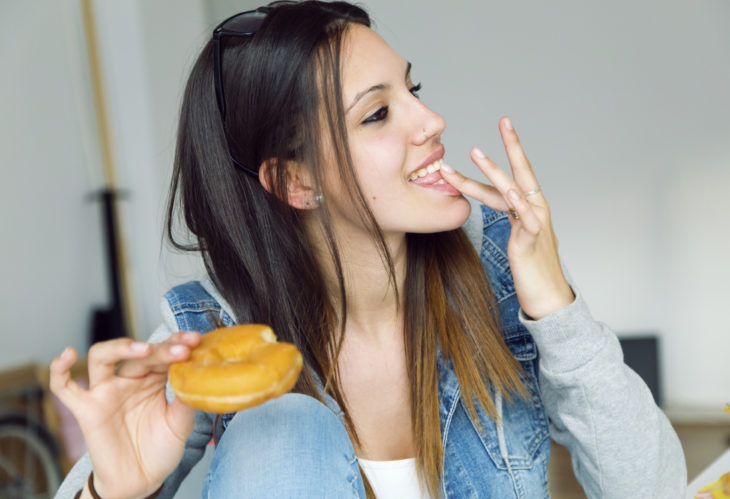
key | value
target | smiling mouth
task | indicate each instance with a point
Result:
(426, 173)
(430, 177)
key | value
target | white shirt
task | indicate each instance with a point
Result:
(394, 479)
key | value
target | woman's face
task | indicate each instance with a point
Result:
(393, 138)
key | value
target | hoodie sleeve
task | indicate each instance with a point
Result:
(621, 444)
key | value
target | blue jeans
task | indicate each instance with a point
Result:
(292, 447)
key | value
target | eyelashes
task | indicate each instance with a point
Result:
(378, 115)
(382, 113)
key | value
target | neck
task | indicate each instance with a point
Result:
(373, 309)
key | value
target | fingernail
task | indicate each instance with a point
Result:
(189, 335)
(138, 346)
(508, 124)
(479, 154)
(66, 352)
(513, 195)
(447, 168)
(178, 350)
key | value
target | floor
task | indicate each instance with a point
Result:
(701, 445)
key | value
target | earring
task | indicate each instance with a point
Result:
(318, 198)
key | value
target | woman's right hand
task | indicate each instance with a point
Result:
(134, 437)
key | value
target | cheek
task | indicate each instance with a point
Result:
(379, 162)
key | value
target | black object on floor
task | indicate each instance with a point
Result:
(641, 353)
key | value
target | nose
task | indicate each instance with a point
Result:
(427, 125)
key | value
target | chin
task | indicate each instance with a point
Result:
(457, 213)
(449, 218)
(465, 207)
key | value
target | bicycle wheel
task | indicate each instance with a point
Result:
(28, 465)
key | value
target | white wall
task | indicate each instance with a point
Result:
(147, 50)
(621, 106)
(52, 246)
(52, 267)
(623, 109)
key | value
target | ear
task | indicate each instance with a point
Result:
(300, 194)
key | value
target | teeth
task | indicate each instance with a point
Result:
(442, 181)
(433, 167)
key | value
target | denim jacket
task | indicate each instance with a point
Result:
(581, 395)
(493, 459)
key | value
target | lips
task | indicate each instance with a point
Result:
(436, 155)
(436, 182)
(428, 173)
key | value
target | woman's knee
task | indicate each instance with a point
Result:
(294, 441)
(289, 422)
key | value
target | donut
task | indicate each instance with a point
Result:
(234, 368)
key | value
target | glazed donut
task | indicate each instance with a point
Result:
(234, 368)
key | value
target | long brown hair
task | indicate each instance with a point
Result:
(255, 246)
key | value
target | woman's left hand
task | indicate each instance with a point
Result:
(533, 248)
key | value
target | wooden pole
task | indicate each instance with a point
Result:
(123, 292)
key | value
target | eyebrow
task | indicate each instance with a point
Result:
(374, 88)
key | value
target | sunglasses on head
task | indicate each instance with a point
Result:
(244, 24)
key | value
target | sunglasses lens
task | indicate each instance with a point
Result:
(246, 23)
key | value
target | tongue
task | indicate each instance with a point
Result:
(428, 179)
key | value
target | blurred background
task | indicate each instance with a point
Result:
(623, 108)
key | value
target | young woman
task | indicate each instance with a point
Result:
(312, 179)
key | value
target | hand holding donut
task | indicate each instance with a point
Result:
(533, 248)
(134, 438)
